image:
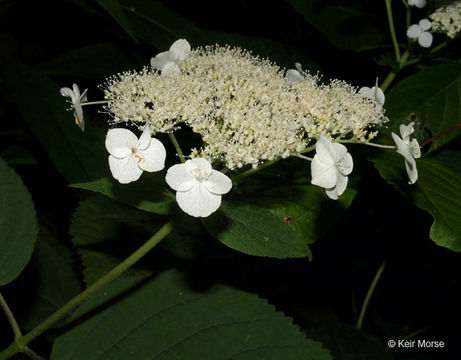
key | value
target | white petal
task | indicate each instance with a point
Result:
(425, 39)
(412, 171)
(153, 158)
(170, 69)
(144, 139)
(424, 24)
(65, 91)
(121, 142)
(366, 91)
(345, 164)
(198, 201)
(298, 66)
(162, 59)
(378, 95)
(341, 183)
(332, 193)
(203, 165)
(415, 150)
(179, 178)
(413, 31)
(180, 49)
(83, 97)
(339, 152)
(293, 76)
(324, 151)
(406, 130)
(78, 113)
(402, 148)
(420, 3)
(76, 93)
(322, 175)
(218, 183)
(125, 170)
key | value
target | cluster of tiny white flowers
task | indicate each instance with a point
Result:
(244, 108)
(447, 19)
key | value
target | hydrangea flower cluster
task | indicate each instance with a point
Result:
(247, 111)
(447, 19)
(244, 108)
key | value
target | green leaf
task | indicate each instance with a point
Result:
(164, 318)
(158, 25)
(432, 97)
(284, 190)
(97, 61)
(102, 224)
(349, 343)
(351, 25)
(149, 193)
(115, 10)
(78, 156)
(438, 191)
(451, 159)
(256, 231)
(18, 224)
(56, 278)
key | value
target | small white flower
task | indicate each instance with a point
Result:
(77, 101)
(409, 149)
(418, 3)
(419, 31)
(330, 167)
(293, 75)
(130, 156)
(168, 61)
(374, 93)
(198, 187)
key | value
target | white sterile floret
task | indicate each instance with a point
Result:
(409, 149)
(130, 156)
(418, 3)
(374, 93)
(293, 75)
(330, 167)
(168, 61)
(77, 99)
(419, 31)
(447, 19)
(198, 187)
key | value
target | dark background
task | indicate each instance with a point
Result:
(420, 285)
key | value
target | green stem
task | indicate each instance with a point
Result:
(32, 354)
(22, 341)
(391, 76)
(303, 157)
(367, 143)
(9, 315)
(370, 291)
(177, 147)
(95, 102)
(392, 30)
(388, 80)
(440, 46)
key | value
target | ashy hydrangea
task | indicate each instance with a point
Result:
(447, 19)
(244, 108)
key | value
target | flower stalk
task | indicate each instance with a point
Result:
(20, 342)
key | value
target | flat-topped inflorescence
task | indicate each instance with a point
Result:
(447, 19)
(243, 106)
